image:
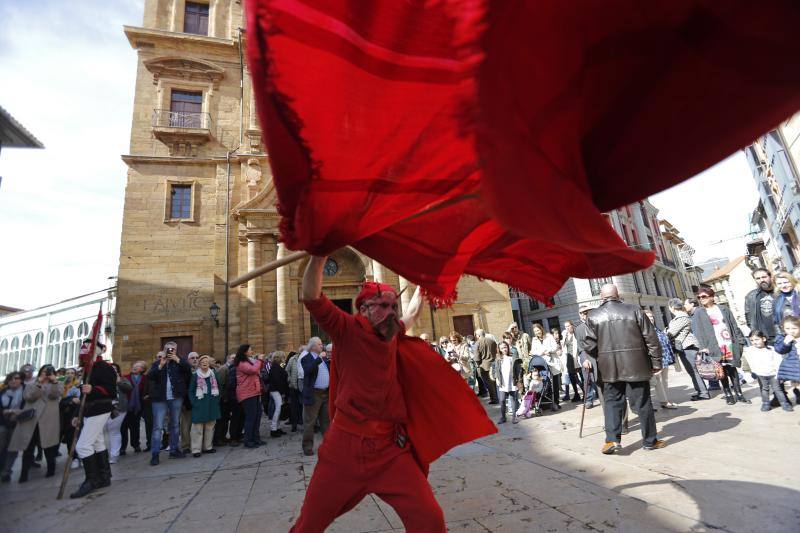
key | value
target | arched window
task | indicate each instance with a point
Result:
(37, 345)
(4, 357)
(14, 355)
(52, 348)
(27, 351)
(83, 331)
(68, 348)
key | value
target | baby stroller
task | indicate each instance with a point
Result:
(540, 390)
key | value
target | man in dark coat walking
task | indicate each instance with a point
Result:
(628, 354)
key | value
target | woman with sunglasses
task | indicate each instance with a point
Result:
(719, 337)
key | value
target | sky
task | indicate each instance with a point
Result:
(69, 77)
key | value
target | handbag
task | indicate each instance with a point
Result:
(707, 368)
(27, 414)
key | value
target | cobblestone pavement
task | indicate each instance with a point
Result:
(730, 468)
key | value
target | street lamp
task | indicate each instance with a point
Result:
(214, 310)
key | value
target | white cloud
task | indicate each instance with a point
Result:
(68, 76)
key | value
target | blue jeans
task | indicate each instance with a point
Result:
(159, 410)
(252, 419)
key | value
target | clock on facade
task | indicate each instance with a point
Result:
(331, 267)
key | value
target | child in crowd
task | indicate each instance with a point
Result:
(786, 344)
(764, 362)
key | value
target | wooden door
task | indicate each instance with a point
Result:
(185, 344)
(345, 305)
(464, 325)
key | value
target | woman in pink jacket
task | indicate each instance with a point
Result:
(248, 393)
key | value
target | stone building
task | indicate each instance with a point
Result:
(200, 206)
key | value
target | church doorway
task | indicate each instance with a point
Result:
(345, 304)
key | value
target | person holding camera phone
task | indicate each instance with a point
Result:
(40, 427)
(168, 387)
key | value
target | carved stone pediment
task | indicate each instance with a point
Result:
(259, 206)
(183, 68)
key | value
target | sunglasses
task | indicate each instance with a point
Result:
(704, 297)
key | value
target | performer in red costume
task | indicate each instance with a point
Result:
(388, 398)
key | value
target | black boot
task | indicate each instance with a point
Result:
(91, 482)
(27, 462)
(50, 455)
(103, 469)
(730, 399)
(737, 388)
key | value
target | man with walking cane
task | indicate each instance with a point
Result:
(628, 353)
(99, 389)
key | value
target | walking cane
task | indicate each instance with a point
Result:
(583, 410)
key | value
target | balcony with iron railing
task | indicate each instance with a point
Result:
(165, 118)
(181, 131)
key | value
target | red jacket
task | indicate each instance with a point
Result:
(248, 379)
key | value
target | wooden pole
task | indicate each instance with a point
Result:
(67, 466)
(583, 410)
(268, 267)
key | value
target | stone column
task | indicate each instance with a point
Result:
(378, 272)
(284, 301)
(405, 300)
(255, 322)
(267, 295)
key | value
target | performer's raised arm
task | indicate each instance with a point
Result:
(411, 314)
(312, 279)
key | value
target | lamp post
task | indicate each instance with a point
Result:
(214, 310)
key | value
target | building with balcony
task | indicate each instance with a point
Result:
(200, 206)
(773, 160)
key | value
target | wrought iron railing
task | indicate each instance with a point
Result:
(164, 118)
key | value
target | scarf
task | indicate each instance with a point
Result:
(202, 388)
(780, 302)
(134, 403)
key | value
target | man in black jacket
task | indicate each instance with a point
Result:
(759, 306)
(100, 390)
(628, 354)
(168, 377)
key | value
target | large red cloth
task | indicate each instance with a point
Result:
(402, 381)
(486, 137)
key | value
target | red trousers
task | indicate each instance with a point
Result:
(350, 467)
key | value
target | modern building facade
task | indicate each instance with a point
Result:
(773, 160)
(672, 275)
(52, 334)
(200, 206)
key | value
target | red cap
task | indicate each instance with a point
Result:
(372, 289)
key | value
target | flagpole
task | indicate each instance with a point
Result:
(87, 376)
(268, 267)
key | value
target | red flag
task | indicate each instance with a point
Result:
(87, 351)
(486, 137)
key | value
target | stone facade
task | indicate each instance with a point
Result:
(177, 241)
